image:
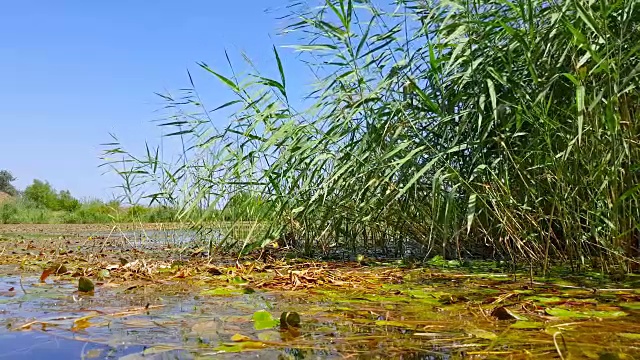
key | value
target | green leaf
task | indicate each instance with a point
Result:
(363, 39)
(222, 292)
(225, 80)
(580, 103)
(280, 69)
(313, 47)
(494, 100)
(561, 312)
(263, 320)
(630, 305)
(527, 325)
(482, 334)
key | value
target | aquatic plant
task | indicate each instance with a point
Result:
(461, 128)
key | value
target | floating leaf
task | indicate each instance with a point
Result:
(544, 299)
(103, 274)
(269, 336)
(240, 337)
(241, 346)
(85, 285)
(527, 325)
(482, 334)
(560, 312)
(45, 274)
(238, 280)
(93, 354)
(222, 292)
(631, 336)
(81, 323)
(57, 269)
(207, 328)
(263, 320)
(631, 306)
(502, 313)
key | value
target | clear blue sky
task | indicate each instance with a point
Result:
(73, 71)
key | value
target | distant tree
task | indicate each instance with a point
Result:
(5, 183)
(67, 202)
(41, 193)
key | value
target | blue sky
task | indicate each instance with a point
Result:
(71, 72)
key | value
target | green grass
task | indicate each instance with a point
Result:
(22, 211)
(463, 128)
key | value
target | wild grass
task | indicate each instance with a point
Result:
(465, 128)
(23, 211)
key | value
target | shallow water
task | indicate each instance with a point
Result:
(437, 317)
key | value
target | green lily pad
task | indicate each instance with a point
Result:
(527, 325)
(238, 280)
(222, 292)
(630, 306)
(560, 312)
(103, 274)
(482, 334)
(263, 320)
(269, 336)
(544, 299)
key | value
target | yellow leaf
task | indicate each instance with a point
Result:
(239, 338)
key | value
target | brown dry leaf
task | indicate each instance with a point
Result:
(183, 273)
(502, 313)
(295, 281)
(45, 274)
(212, 270)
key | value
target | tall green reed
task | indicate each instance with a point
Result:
(461, 128)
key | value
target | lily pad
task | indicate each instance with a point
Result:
(242, 345)
(222, 292)
(240, 337)
(238, 280)
(263, 320)
(482, 334)
(631, 306)
(103, 274)
(544, 299)
(527, 325)
(583, 314)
